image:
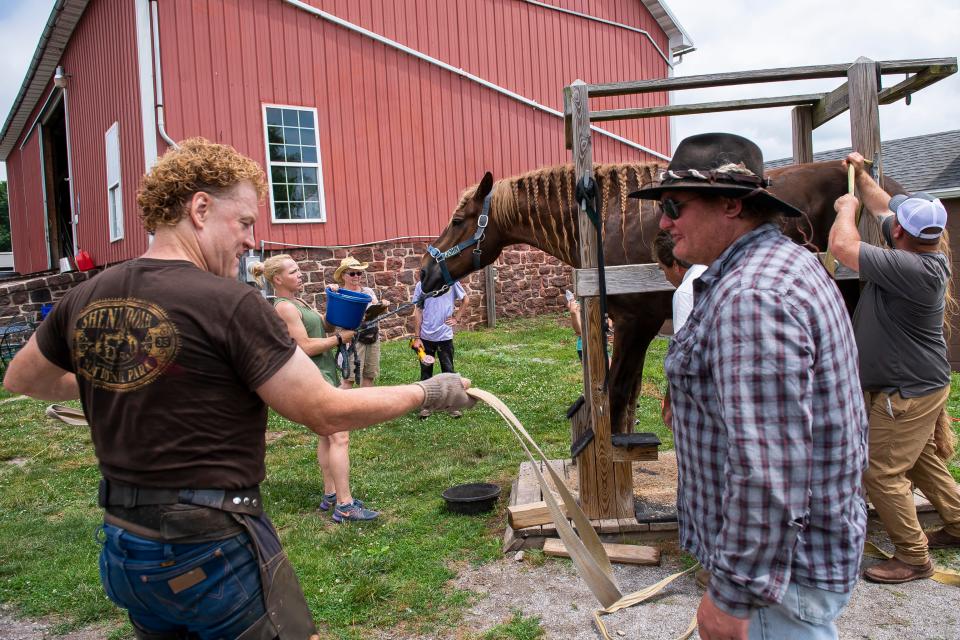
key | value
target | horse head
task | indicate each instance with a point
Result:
(469, 242)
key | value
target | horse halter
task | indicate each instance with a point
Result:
(441, 256)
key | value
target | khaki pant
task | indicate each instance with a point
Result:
(902, 450)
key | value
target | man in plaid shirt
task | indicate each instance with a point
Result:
(768, 418)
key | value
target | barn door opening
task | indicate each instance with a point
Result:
(56, 169)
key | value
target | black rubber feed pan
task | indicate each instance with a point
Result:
(476, 497)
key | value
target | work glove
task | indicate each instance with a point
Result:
(445, 392)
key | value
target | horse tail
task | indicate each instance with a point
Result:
(944, 437)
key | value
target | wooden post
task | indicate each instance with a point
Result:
(862, 80)
(606, 487)
(802, 118)
(490, 286)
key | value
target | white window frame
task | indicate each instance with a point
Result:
(270, 164)
(111, 142)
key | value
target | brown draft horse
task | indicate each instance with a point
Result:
(538, 208)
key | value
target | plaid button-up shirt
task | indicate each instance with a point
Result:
(769, 425)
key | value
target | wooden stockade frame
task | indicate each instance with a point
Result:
(605, 475)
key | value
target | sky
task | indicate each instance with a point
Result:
(730, 35)
(740, 35)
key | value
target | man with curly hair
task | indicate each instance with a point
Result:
(175, 362)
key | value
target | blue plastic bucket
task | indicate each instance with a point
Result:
(345, 308)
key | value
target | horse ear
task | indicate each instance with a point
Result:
(485, 186)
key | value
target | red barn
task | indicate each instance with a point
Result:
(370, 117)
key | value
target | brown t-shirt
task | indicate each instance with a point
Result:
(167, 357)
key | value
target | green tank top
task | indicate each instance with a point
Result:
(313, 323)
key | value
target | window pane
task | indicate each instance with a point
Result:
(291, 135)
(275, 135)
(309, 154)
(307, 137)
(311, 193)
(278, 174)
(283, 212)
(309, 175)
(306, 119)
(293, 153)
(290, 118)
(294, 175)
(297, 212)
(279, 193)
(296, 192)
(313, 210)
(276, 153)
(273, 116)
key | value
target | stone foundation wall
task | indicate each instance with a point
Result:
(528, 282)
(20, 300)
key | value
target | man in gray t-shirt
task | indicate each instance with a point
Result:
(904, 370)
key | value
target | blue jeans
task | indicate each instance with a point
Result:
(806, 613)
(210, 589)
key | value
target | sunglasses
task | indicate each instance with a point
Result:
(355, 274)
(673, 208)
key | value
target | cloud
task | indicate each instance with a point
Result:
(739, 36)
(21, 24)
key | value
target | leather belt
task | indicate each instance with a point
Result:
(116, 494)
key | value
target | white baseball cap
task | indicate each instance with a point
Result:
(920, 214)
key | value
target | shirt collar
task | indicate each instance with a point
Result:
(731, 255)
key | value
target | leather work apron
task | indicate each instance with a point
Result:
(287, 615)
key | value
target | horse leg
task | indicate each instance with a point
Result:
(630, 343)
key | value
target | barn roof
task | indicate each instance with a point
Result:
(680, 41)
(56, 34)
(930, 162)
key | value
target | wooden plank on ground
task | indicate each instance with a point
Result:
(623, 553)
(528, 491)
(511, 542)
(531, 514)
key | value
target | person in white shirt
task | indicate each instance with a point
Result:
(681, 275)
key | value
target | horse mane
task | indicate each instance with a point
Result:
(546, 195)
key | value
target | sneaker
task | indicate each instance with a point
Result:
(895, 571)
(424, 414)
(940, 539)
(328, 501)
(353, 512)
(456, 414)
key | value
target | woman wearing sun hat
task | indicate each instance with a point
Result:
(351, 275)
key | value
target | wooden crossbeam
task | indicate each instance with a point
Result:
(758, 76)
(916, 82)
(705, 107)
(645, 278)
(831, 105)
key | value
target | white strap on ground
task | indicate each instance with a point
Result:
(586, 550)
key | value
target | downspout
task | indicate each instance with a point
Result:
(157, 76)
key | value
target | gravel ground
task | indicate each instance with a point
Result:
(555, 593)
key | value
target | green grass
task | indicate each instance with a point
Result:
(360, 579)
(517, 628)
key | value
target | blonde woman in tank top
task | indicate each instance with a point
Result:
(308, 330)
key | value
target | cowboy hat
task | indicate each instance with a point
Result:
(720, 163)
(348, 264)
